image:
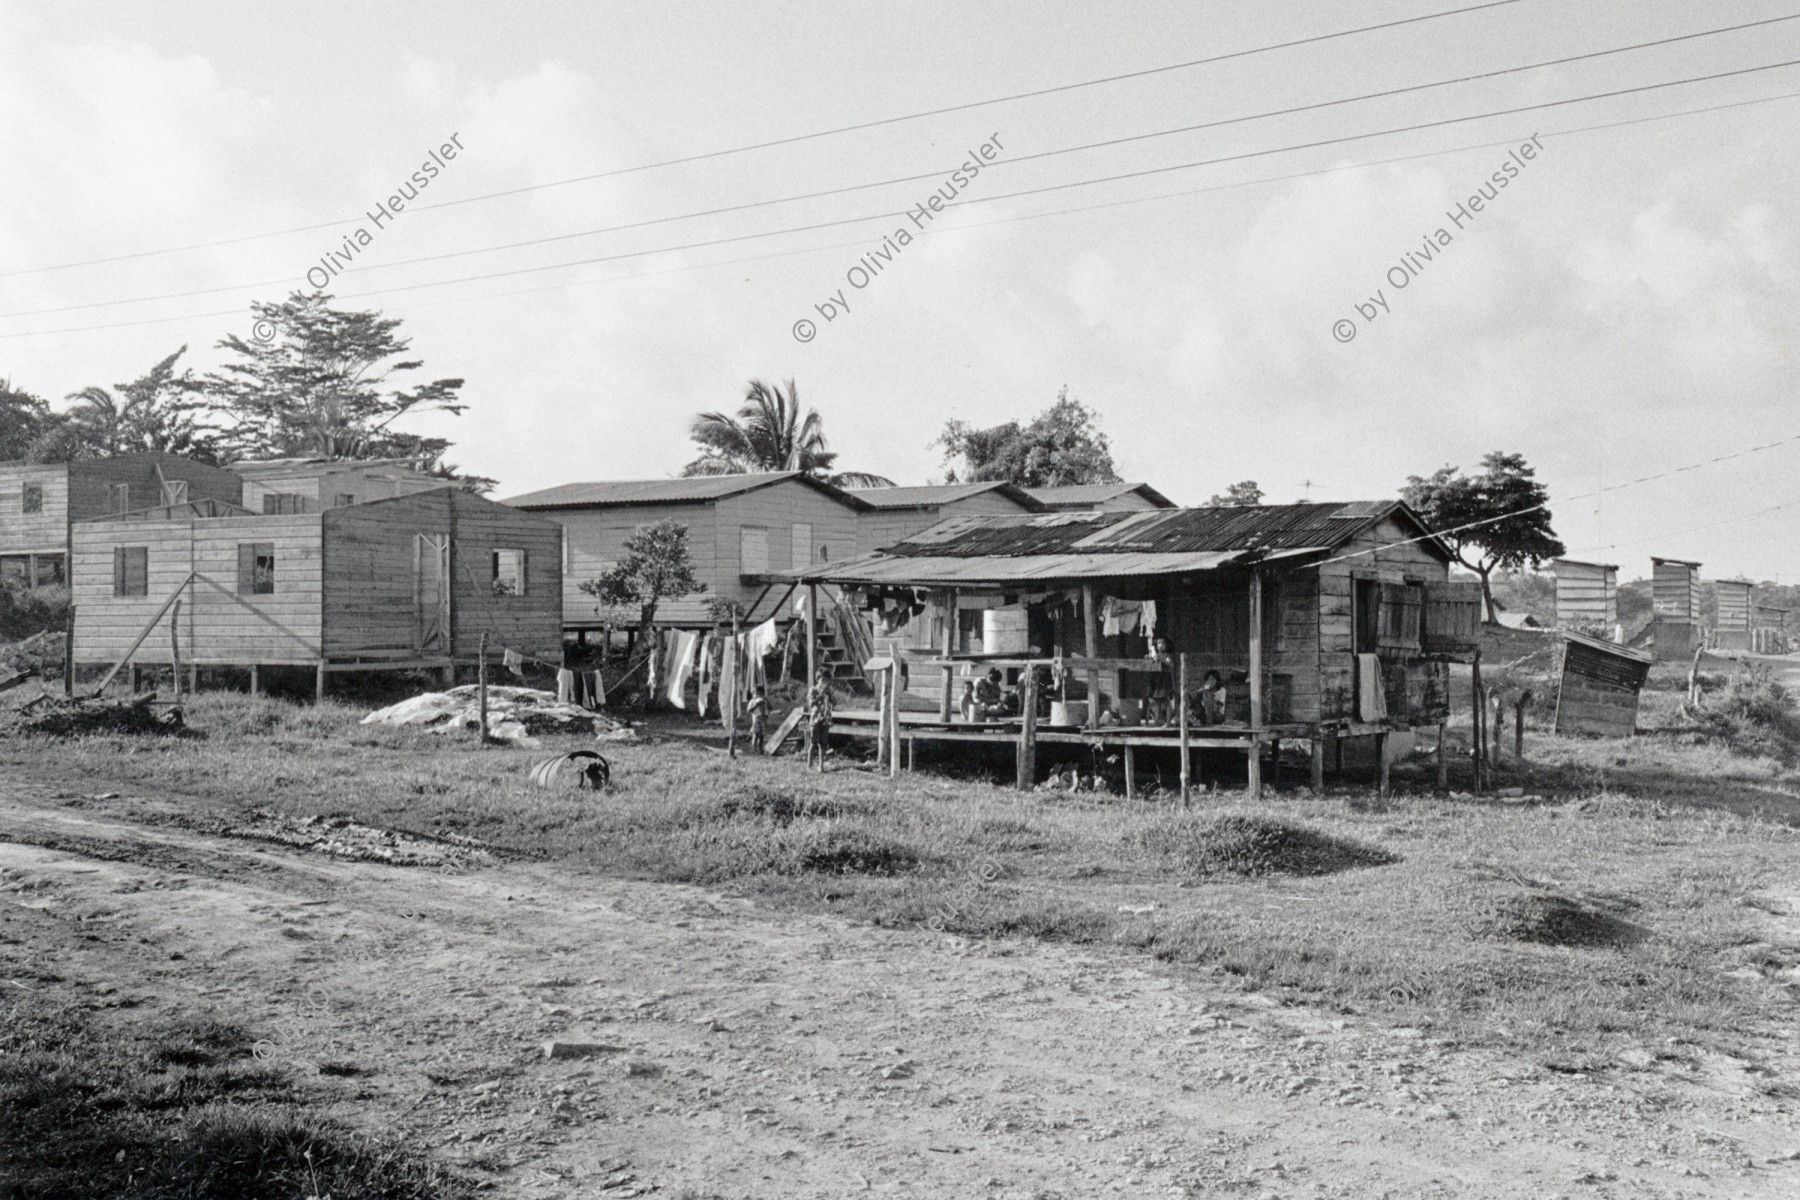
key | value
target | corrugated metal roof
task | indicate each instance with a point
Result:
(1168, 531)
(1073, 494)
(1031, 568)
(935, 494)
(697, 489)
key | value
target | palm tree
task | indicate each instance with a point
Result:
(769, 434)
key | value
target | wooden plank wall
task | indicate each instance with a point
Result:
(22, 532)
(218, 626)
(1423, 686)
(594, 539)
(777, 508)
(370, 575)
(1586, 595)
(882, 527)
(89, 479)
(1674, 590)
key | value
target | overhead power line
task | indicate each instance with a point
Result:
(936, 174)
(790, 140)
(1074, 209)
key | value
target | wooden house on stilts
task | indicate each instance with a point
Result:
(1303, 622)
(410, 582)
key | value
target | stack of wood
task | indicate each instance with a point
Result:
(55, 716)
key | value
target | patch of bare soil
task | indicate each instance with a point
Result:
(713, 1050)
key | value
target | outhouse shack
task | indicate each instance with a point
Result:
(39, 501)
(1586, 596)
(405, 583)
(1731, 624)
(1303, 621)
(1599, 687)
(744, 534)
(1674, 609)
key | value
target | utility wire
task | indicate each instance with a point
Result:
(937, 174)
(791, 140)
(230, 312)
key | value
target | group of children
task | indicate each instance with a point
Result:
(818, 719)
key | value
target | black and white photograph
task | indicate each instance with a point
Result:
(809, 599)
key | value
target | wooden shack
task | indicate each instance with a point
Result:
(745, 532)
(302, 485)
(39, 501)
(1674, 609)
(1768, 629)
(1100, 497)
(1600, 683)
(1586, 596)
(406, 583)
(895, 513)
(1731, 622)
(1321, 621)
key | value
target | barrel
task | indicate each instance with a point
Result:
(1005, 631)
(1068, 712)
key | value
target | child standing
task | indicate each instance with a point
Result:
(758, 709)
(818, 721)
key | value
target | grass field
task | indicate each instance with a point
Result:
(1616, 904)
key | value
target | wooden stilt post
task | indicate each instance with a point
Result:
(481, 690)
(949, 703)
(1381, 754)
(893, 710)
(255, 681)
(69, 654)
(812, 634)
(1443, 762)
(1130, 772)
(1519, 725)
(1027, 756)
(1275, 763)
(1181, 687)
(319, 683)
(1257, 716)
(1477, 733)
(1090, 627)
(1318, 762)
(175, 651)
(136, 680)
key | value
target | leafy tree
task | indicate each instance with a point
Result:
(23, 418)
(322, 386)
(158, 411)
(770, 434)
(656, 567)
(1239, 495)
(1061, 445)
(1510, 505)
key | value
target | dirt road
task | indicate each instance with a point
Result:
(743, 1053)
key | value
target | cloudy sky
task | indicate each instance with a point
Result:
(1617, 311)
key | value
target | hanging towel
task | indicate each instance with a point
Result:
(682, 668)
(1371, 697)
(762, 640)
(596, 690)
(565, 686)
(513, 661)
(727, 674)
(1109, 617)
(706, 671)
(652, 673)
(1147, 621)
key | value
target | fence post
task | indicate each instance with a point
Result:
(481, 689)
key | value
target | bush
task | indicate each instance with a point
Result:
(1241, 844)
(1755, 713)
(25, 610)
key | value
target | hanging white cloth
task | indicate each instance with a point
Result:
(1147, 620)
(565, 686)
(681, 666)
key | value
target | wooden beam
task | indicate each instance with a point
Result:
(1443, 763)
(1258, 717)
(174, 599)
(893, 682)
(812, 634)
(1027, 755)
(1130, 772)
(319, 683)
(1381, 755)
(175, 651)
(949, 651)
(1090, 624)
(1318, 763)
(1181, 687)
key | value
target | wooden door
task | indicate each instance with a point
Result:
(431, 593)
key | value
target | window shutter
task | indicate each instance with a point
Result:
(118, 570)
(1399, 617)
(246, 568)
(1452, 618)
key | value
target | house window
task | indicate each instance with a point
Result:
(32, 499)
(131, 570)
(509, 572)
(753, 550)
(15, 566)
(343, 500)
(174, 491)
(803, 546)
(118, 497)
(285, 504)
(47, 570)
(256, 568)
